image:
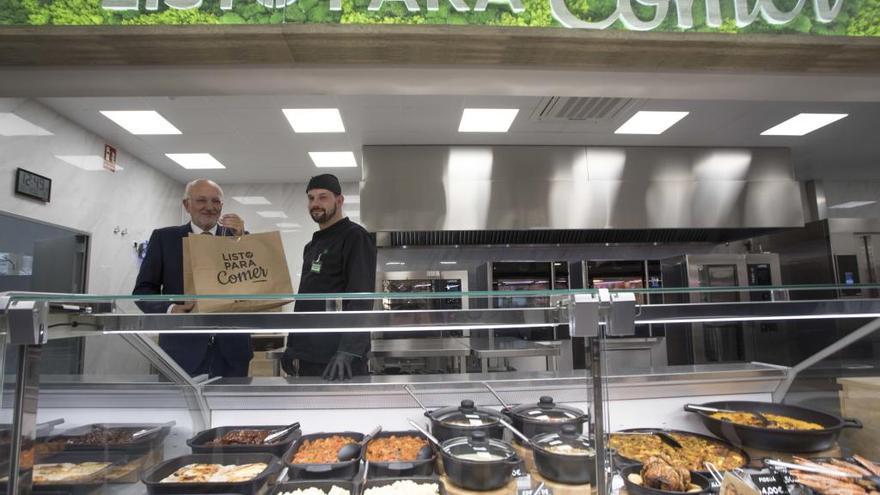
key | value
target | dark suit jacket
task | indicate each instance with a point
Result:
(162, 273)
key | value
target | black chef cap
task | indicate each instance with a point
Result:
(325, 181)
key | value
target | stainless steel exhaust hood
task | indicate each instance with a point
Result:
(441, 194)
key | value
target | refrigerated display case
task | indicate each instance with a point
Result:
(164, 398)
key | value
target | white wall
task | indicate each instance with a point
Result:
(138, 199)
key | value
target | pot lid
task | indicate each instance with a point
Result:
(467, 415)
(567, 441)
(547, 411)
(478, 447)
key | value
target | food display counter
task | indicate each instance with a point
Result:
(172, 415)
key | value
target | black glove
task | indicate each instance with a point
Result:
(287, 362)
(339, 367)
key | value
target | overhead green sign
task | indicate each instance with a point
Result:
(817, 17)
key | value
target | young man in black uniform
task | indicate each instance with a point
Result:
(340, 258)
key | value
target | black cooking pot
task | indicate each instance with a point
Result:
(636, 489)
(545, 417)
(461, 421)
(566, 457)
(400, 468)
(477, 462)
(775, 439)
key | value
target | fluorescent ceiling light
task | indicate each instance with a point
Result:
(354, 199)
(395, 263)
(195, 161)
(252, 200)
(487, 119)
(314, 119)
(13, 125)
(803, 123)
(142, 122)
(333, 159)
(853, 204)
(272, 214)
(288, 225)
(648, 122)
(448, 262)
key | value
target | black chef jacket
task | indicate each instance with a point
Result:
(340, 258)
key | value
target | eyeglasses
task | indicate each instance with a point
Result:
(206, 201)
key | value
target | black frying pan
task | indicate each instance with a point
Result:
(774, 439)
(623, 462)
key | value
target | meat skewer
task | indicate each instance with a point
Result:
(870, 466)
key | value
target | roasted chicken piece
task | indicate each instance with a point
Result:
(660, 474)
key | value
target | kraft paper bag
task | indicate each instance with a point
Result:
(248, 265)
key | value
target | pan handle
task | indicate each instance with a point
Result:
(852, 423)
(694, 408)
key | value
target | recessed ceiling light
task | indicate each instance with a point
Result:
(314, 119)
(448, 262)
(487, 119)
(142, 122)
(853, 204)
(395, 263)
(333, 159)
(252, 200)
(13, 125)
(272, 214)
(649, 122)
(288, 225)
(195, 161)
(803, 123)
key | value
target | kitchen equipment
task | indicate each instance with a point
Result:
(546, 417)
(275, 435)
(352, 451)
(75, 438)
(420, 466)
(776, 439)
(376, 483)
(636, 489)
(324, 485)
(477, 462)
(622, 461)
(452, 422)
(200, 443)
(566, 456)
(335, 470)
(152, 477)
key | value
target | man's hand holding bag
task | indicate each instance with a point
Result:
(252, 264)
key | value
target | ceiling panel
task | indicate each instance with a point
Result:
(250, 135)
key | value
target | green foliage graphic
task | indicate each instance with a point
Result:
(856, 18)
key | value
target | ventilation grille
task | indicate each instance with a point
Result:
(598, 236)
(570, 108)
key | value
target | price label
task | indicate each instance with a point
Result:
(770, 483)
(531, 491)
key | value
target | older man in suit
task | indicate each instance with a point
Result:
(162, 273)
